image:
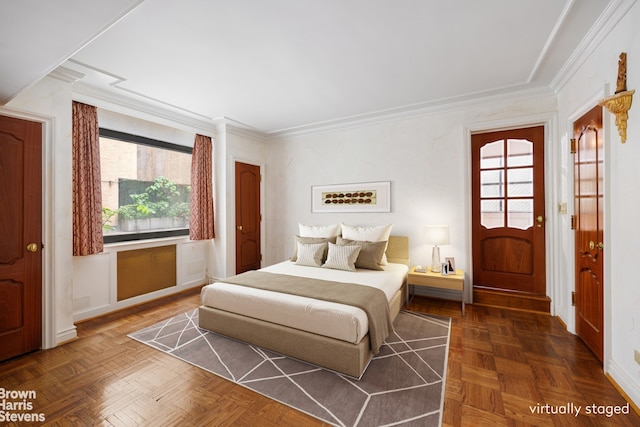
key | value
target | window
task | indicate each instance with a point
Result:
(146, 187)
(506, 184)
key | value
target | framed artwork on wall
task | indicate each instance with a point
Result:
(358, 197)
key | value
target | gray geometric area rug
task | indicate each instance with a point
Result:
(403, 385)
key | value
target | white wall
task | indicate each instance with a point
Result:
(426, 158)
(95, 276)
(593, 81)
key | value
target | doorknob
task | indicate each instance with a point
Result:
(601, 246)
(540, 220)
(32, 247)
(239, 228)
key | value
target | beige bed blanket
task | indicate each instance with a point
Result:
(371, 300)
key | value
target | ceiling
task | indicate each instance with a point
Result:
(283, 65)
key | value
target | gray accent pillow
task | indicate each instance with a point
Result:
(306, 240)
(370, 256)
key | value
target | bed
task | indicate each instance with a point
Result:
(329, 334)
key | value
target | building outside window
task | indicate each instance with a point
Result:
(146, 187)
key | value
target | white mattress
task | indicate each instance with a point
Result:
(334, 320)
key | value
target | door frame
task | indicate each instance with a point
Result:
(231, 226)
(549, 121)
(50, 336)
(610, 134)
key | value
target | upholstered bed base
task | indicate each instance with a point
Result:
(340, 356)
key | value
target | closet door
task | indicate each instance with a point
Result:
(248, 256)
(589, 229)
(21, 241)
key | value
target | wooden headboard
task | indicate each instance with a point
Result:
(398, 250)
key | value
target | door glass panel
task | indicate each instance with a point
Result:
(506, 183)
(492, 183)
(520, 182)
(519, 152)
(520, 213)
(492, 213)
(492, 155)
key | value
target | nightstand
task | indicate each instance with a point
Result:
(437, 280)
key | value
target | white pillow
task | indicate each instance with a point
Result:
(311, 254)
(374, 233)
(319, 230)
(342, 257)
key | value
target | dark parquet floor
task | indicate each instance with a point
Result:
(506, 368)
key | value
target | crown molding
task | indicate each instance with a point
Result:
(164, 114)
(121, 100)
(607, 21)
(156, 111)
(67, 75)
(412, 111)
(236, 128)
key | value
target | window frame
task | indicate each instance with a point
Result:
(151, 142)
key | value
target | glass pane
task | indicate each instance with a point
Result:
(520, 213)
(519, 152)
(144, 188)
(492, 183)
(492, 213)
(588, 179)
(492, 155)
(520, 182)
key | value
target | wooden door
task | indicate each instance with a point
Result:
(589, 233)
(248, 255)
(21, 241)
(508, 218)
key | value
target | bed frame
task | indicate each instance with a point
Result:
(341, 356)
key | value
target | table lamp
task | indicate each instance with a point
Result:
(436, 235)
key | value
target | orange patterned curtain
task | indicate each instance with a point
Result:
(201, 224)
(87, 193)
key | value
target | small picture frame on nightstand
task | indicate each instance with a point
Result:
(451, 265)
(443, 269)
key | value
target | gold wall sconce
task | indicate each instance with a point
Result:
(620, 103)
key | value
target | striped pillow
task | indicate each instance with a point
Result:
(305, 240)
(342, 257)
(311, 254)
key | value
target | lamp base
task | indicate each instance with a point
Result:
(436, 267)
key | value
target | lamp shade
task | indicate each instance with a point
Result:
(437, 234)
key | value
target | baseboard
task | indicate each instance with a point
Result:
(65, 336)
(625, 385)
(564, 325)
(82, 316)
